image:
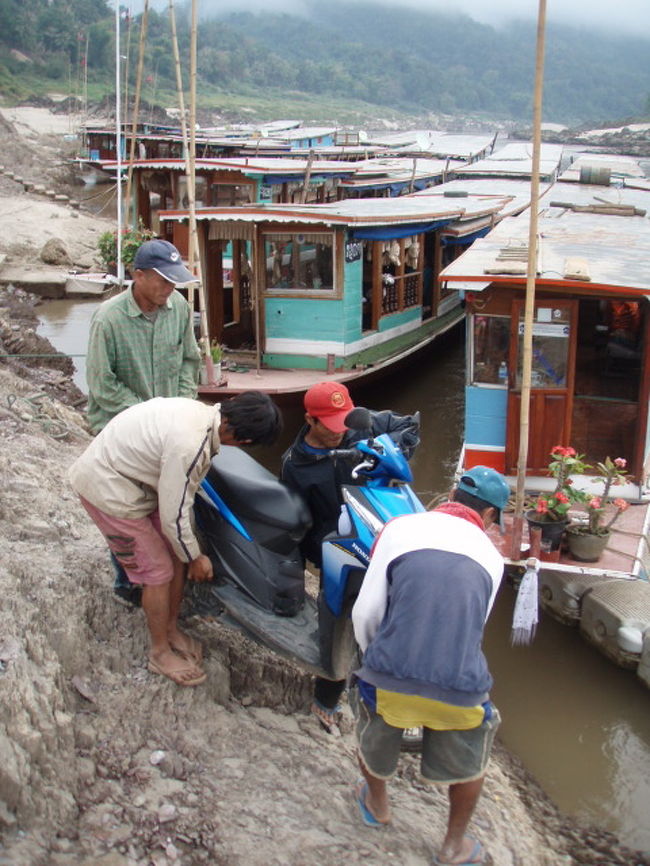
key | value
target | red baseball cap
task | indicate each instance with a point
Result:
(330, 402)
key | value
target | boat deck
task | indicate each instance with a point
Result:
(626, 555)
(273, 382)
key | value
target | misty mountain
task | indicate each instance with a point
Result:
(388, 57)
(413, 60)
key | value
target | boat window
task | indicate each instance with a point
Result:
(551, 331)
(491, 344)
(230, 194)
(299, 262)
(401, 271)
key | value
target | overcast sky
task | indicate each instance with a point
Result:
(624, 16)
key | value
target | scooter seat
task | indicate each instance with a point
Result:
(252, 492)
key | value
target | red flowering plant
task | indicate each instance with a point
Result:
(603, 510)
(553, 507)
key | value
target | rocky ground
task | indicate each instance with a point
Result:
(102, 762)
(632, 140)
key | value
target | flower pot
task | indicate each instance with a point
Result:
(552, 530)
(204, 376)
(585, 546)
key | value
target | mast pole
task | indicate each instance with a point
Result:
(531, 274)
(118, 143)
(194, 240)
(136, 107)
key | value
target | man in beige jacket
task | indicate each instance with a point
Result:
(137, 480)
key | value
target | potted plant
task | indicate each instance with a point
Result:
(131, 239)
(588, 540)
(216, 353)
(549, 511)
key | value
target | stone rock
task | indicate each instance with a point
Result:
(167, 812)
(54, 252)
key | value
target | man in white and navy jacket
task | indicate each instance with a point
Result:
(419, 620)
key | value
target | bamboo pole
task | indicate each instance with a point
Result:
(305, 186)
(415, 166)
(529, 308)
(194, 242)
(118, 145)
(179, 85)
(256, 277)
(136, 107)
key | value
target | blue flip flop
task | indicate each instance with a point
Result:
(366, 815)
(477, 851)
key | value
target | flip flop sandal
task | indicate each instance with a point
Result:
(195, 656)
(477, 852)
(328, 718)
(360, 792)
(175, 676)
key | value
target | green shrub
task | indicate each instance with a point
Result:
(132, 239)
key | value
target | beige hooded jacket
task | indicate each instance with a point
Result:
(152, 455)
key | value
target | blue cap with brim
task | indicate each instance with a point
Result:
(163, 257)
(487, 484)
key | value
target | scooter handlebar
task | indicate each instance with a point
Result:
(346, 453)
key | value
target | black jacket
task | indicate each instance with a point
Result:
(318, 478)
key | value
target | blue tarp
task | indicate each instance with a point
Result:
(464, 240)
(389, 233)
(300, 176)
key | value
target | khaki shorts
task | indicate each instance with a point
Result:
(448, 757)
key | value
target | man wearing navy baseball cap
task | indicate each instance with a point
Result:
(419, 621)
(142, 342)
(162, 257)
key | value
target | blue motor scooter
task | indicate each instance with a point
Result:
(251, 524)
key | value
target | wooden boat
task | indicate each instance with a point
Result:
(590, 383)
(89, 285)
(342, 289)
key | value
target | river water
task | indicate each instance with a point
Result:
(579, 724)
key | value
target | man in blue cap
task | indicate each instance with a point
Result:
(419, 621)
(142, 345)
(142, 342)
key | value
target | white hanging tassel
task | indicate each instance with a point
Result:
(525, 616)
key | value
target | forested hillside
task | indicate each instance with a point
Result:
(403, 59)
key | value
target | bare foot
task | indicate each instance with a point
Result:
(178, 670)
(187, 647)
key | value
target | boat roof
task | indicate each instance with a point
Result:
(301, 132)
(516, 160)
(408, 209)
(618, 165)
(358, 212)
(434, 143)
(514, 193)
(383, 171)
(612, 249)
(244, 165)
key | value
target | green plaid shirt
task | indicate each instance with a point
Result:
(131, 358)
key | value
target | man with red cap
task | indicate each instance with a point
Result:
(308, 468)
